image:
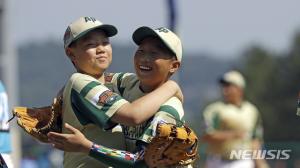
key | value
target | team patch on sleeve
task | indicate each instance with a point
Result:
(107, 97)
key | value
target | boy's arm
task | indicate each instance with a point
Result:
(116, 158)
(257, 142)
(171, 112)
(77, 142)
(120, 81)
(92, 102)
(145, 107)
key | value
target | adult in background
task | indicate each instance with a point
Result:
(231, 125)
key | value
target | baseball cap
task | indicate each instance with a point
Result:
(84, 25)
(170, 39)
(233, 77)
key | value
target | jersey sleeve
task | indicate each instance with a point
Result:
(119, 81)
(92, 102)
(170, 112)
(258, 128)
(211, 118)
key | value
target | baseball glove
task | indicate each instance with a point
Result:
(171, 146)
(39, 121)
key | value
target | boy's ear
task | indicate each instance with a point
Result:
(69, 53)
(175, 66)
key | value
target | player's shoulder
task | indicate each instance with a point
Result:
(214, 107)
(79, 81)
(80, 76)
(216, 104)
(250, 106)
(173, 105)
(120, 77)
(128, 77)
(247, 103)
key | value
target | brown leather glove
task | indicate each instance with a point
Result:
(171, 146)
(39, 121)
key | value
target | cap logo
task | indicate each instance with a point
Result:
(162, 29)
(89, 19)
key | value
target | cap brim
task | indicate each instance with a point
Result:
(109, 30)
(141, 33)
(224, 82)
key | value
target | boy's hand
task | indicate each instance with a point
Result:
(73, 142)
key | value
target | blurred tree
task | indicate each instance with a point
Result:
(273, 84)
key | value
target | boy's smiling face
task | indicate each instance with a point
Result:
(91, 54)
(154, 63)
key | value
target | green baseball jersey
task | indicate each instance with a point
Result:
(170, 112)
(88, 105)
(127, 85)
(222, 116)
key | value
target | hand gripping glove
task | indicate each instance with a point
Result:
(171, 146)
(39, 121)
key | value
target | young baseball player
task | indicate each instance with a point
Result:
(87, 103)
(156, 59)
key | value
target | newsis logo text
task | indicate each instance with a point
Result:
(261, 154)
